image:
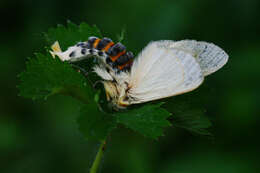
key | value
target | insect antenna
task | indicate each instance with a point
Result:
(97, 82)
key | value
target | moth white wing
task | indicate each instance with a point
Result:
(120, 78)
(101, 71)
(210, 57)
(160, 72)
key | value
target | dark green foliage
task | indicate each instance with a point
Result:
(194, 121)
(46, 76)
(95, 124)
(148, 120)
(188, 113)
(70, 35)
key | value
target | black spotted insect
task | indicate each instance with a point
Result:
(113, 55)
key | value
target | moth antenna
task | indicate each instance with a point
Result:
(97, 82)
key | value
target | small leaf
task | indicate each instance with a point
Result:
(121, 36)
(70, 35)
(149, 120)
(187, 113)
(46, 76)
(194, 121)
(95, 124)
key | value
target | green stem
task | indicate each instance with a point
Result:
(98, 158)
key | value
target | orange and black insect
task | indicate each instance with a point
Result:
(115, 54)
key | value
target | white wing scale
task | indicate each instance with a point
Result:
(162, 72)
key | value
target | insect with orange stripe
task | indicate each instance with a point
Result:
(113, 56)
(163, 68)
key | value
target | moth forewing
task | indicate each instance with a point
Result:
(163, 73)
(143, 63)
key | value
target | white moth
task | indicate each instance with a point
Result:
(162, 69)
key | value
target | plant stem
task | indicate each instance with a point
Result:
(98, 158)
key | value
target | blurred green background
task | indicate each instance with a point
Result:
(40, 137)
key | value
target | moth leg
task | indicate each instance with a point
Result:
(108, 96)
(109, 89)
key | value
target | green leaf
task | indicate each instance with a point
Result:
(46, 76)
(149, 120)
(194, 121)
(187, 113)
(121, 36)
(70, 35)
(95, 124)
